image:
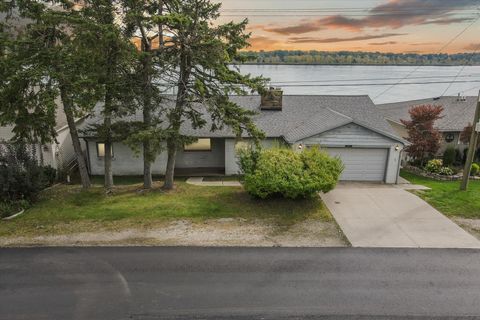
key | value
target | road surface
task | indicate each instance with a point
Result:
(238, 283)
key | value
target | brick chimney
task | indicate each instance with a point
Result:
(272, 99)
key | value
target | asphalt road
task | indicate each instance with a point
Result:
(238, 283)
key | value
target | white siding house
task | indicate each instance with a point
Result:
(346, 126)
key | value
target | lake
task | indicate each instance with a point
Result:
(422, 82)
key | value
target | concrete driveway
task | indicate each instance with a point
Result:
(387, 216)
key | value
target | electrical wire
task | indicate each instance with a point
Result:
(441, 49)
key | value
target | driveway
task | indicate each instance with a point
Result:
(387, 216)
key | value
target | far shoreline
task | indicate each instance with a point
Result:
(355, 64)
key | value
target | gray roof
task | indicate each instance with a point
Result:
(302, 116)
(456, 115)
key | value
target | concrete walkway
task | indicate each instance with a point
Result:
(198, 181)
(389, 216)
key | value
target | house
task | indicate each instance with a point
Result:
(349, 127)
(59, 154)
(458, 113)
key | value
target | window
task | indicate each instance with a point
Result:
(200, 145)
(101, 149)
(449, 137)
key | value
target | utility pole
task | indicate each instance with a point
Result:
(472, 148)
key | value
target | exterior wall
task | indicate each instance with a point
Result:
(351, 135)
(231, 159)
(199, 159)
(126, 162)
(456, 143)
(54, 154)
(355, 136)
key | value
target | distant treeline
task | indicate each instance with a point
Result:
(366, 58)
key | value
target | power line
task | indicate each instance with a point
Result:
(375, 79)
(375, 84)
(439, 51)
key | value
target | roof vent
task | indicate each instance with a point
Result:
(461, 98)
(272, 99)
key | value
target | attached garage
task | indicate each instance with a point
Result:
(362, 164)
(368, 155)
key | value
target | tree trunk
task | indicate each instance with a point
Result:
(175, 120)
(108, 152)
(170, 171)
(148, 157)
(77, 147)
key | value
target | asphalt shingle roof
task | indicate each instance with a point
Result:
(456, 115)
(302, 116)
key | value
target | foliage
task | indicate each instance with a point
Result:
(21, 177)
(200, 56)
(67, 209)
(286, 173)
(434, 165)
(437, 166)
(447, 197)
(424, 138)
(449, 156)
(446, 171)
(475, 169)
(356, 57)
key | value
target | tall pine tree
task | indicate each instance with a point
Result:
(200, 55)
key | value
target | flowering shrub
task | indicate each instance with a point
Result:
(434, 166)
(446, 171)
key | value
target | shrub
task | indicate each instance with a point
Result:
(286, 173)
(21, 177)
(434, 166)
(449, 156)
(445, 171)
(475, 169)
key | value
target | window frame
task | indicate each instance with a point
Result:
(98, 150)
(202, 150)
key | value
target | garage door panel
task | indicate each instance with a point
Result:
(362, 164)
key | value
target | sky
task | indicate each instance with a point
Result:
(399, 26)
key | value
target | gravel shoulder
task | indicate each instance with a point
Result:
(470, 225)
(211, 232)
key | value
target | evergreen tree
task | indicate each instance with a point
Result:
(140, 24)
(45, 61)
(200, 53)
(116, 55)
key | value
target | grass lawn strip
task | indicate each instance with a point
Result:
(67, 210)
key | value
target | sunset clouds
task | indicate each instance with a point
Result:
(353, 24)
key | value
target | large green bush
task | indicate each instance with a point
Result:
(290, 174)
(449, 156)
(475, 169)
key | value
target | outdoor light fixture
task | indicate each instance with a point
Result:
(300, 146)
(397, 147)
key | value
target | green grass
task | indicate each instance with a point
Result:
(65, 209)
(447, 197)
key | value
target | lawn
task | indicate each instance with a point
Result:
(447, 197)
(65, 209)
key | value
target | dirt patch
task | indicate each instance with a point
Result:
(471, 225)
(213, 232)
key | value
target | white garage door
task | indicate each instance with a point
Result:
(362, 164)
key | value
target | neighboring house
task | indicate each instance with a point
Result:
(346, 126)
(458, 113)
(58, 154)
